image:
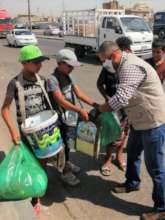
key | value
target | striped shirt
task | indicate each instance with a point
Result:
(35, 101)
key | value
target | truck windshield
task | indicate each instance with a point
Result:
(5, 20)
(134, 24)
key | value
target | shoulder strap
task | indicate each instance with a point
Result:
(44, 91)
(21, 96)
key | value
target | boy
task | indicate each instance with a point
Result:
(107, 84)
(61, 90)
(158, 58)
(31, 59)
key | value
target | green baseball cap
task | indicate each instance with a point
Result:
(31, 53)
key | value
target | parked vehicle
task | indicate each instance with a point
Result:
(20, 26)
(85, 30)
(159, 24)
(20, 37)
(52, 30)
(5, 23)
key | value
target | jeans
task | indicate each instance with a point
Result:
(152, 142)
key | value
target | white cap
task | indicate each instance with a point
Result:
(67, 56)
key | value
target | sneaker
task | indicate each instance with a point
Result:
(125, 188)
(70, 179)
(75, 169)
(153, 216)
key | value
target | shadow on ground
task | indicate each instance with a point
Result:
(93, 188)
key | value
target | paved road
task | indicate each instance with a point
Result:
(93, 199)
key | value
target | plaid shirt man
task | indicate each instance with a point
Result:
(129, 80)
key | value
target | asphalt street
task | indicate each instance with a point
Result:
(93, 199)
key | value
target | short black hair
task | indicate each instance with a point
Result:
(124, 43)
(157, 43)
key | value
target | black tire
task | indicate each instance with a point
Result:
(80, 51)
(162, 34)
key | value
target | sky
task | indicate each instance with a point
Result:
(54, 7)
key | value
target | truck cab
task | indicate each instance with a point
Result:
(159, 24)
(86, 30)
(134, 27)
(5, 23)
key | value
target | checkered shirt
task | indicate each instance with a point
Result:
(130, 79)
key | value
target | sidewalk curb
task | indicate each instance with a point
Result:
(50, 38)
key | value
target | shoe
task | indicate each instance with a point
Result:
(124, 188)
(153, 216)
(37, 209)
(70, 179)
(75, 169)
(36, 206)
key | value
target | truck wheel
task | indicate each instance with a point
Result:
(161, 34)
(80, 52)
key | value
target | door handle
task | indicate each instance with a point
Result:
(105, 35)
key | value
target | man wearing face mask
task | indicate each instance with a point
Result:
(141, 93)
(106, 84)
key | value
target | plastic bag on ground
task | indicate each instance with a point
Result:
(21, 176)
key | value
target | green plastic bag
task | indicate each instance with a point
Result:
(109, 128)
(21, 176)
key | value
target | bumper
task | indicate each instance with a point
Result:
(142, 50)
(24, 43)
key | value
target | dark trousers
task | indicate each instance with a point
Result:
(68, 135)
(152, 142)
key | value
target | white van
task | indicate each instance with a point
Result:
(85, 30)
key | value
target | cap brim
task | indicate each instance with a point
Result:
(73, 63)
(40, 59)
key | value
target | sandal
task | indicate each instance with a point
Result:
(105, 170)
(120, 165)
(37, 209)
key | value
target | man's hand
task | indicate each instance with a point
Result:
(104, 107)
(84, 114)
(15, 135)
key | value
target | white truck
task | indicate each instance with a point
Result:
(85, 30)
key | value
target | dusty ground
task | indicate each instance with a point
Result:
(93, 199)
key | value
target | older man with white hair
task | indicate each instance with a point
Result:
(141, 94)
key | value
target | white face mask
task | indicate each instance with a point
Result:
(109, 66)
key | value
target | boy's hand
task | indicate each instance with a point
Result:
(84, 114)
(15, 135)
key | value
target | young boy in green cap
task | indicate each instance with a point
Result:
(31, 59)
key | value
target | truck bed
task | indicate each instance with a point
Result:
(84, 41)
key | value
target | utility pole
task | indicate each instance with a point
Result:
(63, 5)
(29, 15)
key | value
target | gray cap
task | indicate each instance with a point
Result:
(67, 56)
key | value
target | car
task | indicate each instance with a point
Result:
(21, 37)
(20, 26)
(52, 30)
(159, 24)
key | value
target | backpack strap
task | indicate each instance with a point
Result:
(21, 96)
(44, 91)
